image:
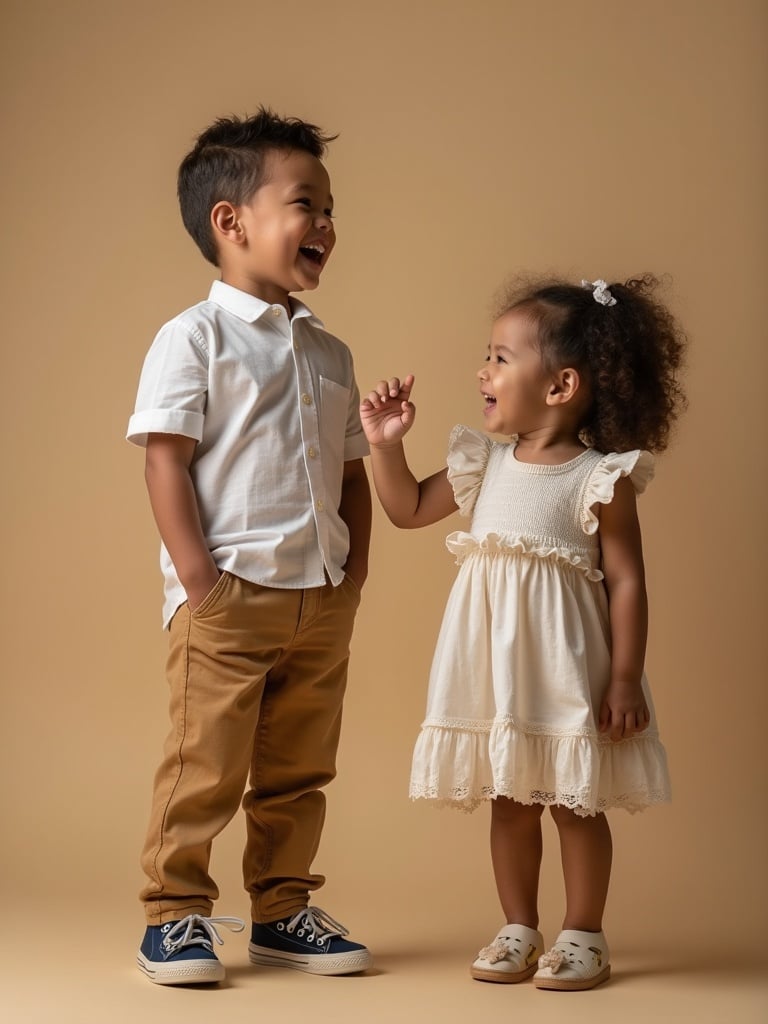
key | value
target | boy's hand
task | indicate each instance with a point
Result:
(623, 711)
(197, 592)
(174, 504)
(387, 414)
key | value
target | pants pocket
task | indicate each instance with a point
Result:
(353, 587)
(213, 596)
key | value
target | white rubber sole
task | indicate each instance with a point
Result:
(326, 963)
(184, 972)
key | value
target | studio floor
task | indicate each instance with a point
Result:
(66, 969)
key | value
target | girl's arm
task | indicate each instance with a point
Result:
(387, 415)
(174, 504)
(623, 711)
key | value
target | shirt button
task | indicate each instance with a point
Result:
(320, 505)
(312, 453)
(276, 311)
(306, 399)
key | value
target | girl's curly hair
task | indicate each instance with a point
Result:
(630, 353)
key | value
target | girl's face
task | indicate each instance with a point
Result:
(513, 381)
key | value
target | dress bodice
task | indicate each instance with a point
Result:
(541, 510)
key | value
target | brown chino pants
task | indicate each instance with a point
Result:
(257, 678)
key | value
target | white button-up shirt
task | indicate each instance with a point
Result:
(273, 404)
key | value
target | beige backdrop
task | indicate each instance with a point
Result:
(476, 139)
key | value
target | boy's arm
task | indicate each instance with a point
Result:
(174, 505)
(355, 510)
(624, 711)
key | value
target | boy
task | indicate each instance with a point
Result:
(248, 410)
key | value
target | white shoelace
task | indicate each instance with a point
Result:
(196, 930)
(318, 922)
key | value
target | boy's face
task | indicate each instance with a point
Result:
(287, 228)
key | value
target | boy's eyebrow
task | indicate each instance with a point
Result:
(308, 188)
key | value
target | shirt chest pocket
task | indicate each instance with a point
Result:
(334, 406)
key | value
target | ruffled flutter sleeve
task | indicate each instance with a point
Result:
(637, 465)
(468, 452)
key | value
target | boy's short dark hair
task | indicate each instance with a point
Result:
(227, 163)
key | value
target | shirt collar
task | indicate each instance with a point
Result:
(249, 308)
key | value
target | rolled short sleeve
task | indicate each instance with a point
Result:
(355, 441)
(173, 386)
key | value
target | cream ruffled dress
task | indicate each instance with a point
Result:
(523, 656)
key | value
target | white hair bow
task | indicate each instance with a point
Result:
(600, 292)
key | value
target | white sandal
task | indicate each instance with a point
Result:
(577, 961)
(511, 957)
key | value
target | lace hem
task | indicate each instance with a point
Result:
(481, 725)
(464, 544)
(467, 804)
(456, 767)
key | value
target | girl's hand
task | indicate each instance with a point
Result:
(623, 711)
(387, 413)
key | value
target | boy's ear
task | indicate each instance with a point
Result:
(225, 221)
(563, 386)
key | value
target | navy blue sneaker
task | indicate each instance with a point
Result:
(181, 952)
(309, 941)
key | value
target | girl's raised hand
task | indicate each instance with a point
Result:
(387, 412)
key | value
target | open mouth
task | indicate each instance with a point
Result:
(314, 252)
(489, 400)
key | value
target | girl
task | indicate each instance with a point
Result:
(537, 695)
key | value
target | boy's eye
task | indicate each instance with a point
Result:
(308, 203)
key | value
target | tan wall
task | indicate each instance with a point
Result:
(476, 139)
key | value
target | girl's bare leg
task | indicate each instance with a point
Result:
(516, 856)
(586, 850)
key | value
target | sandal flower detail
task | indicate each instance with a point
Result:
(577, 961)
(511, 957)
(497, 950)
(554, 959)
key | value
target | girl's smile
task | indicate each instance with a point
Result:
(513, 382)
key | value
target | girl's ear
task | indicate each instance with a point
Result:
(226, 224)
(564, 386)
